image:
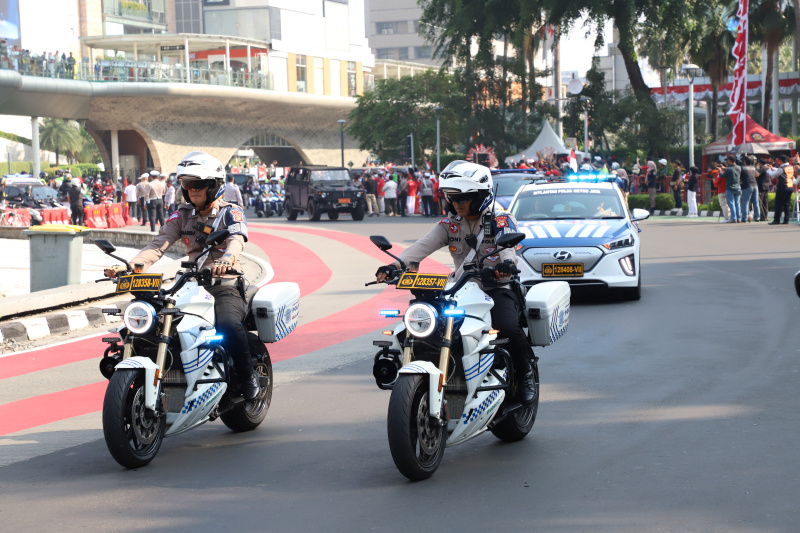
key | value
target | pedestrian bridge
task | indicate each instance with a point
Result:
(140, 125)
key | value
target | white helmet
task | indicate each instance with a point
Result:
(201, 166)
(76, 182)
(463, 177)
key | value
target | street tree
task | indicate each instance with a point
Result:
(60, 136)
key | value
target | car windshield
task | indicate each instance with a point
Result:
(327, 177)
(509, 184)
(567, 203)
(43, 192)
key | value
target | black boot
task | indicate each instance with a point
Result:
(250, 387)
(526, 391)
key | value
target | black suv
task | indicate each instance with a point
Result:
(320, 189)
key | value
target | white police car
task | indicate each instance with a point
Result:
(579, 230)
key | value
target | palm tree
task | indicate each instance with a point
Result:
(711, 51)
(770, 27)
(58, 135)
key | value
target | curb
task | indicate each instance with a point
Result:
(682, 213)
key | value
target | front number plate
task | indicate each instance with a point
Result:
(344, 200)
(430, 282)
(139, 283)
(562, 270)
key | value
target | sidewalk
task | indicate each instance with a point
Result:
(26, 316)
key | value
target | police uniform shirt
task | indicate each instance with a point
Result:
(157, 190)
(186, 224)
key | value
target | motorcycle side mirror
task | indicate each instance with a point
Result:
(509, 240)
(381, 242)
(217, 237)
(472, 241)
(105, 246)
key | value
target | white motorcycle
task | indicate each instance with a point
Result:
(172, 372)
(450, 377)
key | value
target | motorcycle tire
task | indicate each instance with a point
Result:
(247, 416)
(518, 424)
(416, 444)
(132, 437)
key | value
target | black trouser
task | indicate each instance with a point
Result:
(782, 197)
(155, 210)
(763, 204)
(401, 203)
(427, 206)
(678, 195)
(143, 210)
(229, 312)
(505, 318)
(78, 217)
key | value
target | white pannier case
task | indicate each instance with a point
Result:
(276, 308)
(547, 311)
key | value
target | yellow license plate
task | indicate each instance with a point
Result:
(139, 283)
(562, 270)
(344, 200)
(430, 282)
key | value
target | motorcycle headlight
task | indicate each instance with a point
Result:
(139, 317)
(624, 242)
(420, 319)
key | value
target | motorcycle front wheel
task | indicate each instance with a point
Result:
(133, 435)
(416, 443)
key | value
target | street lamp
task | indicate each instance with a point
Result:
(586, 100)
(692, 71)
(438, 110)
(341, 123)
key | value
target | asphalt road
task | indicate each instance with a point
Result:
(678, 412)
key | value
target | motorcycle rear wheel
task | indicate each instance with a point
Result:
(517, 425)
(416, 444)
(247, 416)
(132, 437)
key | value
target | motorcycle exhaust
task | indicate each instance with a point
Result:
(387, 365)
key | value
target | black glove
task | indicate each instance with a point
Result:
(506, 269)
(389, 270)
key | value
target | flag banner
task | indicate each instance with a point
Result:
(738, 110)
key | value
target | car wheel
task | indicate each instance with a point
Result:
(291, 214)
(633, 293)
(358, 213)
(333, 215)
(313, 212)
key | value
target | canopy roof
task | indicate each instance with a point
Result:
(753, 134)
(546, 141)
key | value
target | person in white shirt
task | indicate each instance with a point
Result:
(130, 199)
(169, 196)
(390, 197)
(232, 193)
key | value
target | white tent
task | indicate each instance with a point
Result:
(547, 140)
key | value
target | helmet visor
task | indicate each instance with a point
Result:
(457, 197)
(190, 183)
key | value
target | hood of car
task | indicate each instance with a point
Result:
(569, 233)
(341, 187)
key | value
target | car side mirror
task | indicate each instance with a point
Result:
(640, 214)
(105, 246)
(509, 240)
(381, 242)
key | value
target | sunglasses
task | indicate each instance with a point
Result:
(197, 185)
(458, 198)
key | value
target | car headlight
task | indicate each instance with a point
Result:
(420, 319)
(139, 317)
(358, 195)
(624, 242)
(323, 194)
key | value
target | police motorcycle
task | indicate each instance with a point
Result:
(263, 205)
(169, 370)
(276, 203)
(451, 379)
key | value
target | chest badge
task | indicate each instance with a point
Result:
(453, 228)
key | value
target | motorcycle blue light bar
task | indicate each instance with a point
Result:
(390, 312)
(455, 311)
(214, 338)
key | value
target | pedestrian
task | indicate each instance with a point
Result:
(402, 195)
(411, 199)
(652, 180)
(719, 184)
(142, 192)
(691, 191)
(76, 203)
(70, 67)
(370, 189)
(677, 185)
(733, 189)
(169, 197)
(783, 177)
(426, 195)
(232, 193)
(749, 190)
(390, 197)
(130, 199)
(763, 180)
(622, 180)
(155, 205)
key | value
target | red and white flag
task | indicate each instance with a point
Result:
(428, 164)
(573, 161)
(738, 110)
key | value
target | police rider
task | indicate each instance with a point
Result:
(202, 181)
(467, 188)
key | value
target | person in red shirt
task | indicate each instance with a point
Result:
(719, 183)
(382, 206)
(411, 199)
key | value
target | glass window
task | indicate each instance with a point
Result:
(402, 53)
(351, 78)
(422, 52)
(248, 23)
(301, 74)
(384, 53)
(386, 28)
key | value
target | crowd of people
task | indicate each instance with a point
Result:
(28, 62)
(401, 193)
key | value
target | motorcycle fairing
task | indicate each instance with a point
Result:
(478, 413)
(197, 405)
(149, 367)
(434, 374)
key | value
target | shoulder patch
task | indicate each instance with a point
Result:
(173, 216)
(444, 221)
(502, 221)
(237, 214)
